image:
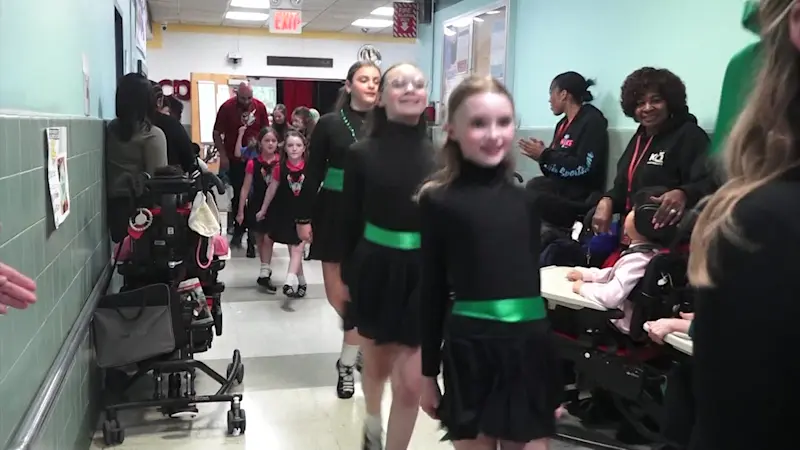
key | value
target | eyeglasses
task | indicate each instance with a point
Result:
(416, 84)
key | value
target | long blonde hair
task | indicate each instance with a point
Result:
(450, 153)
(761, 145)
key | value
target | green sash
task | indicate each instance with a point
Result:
(334, 179)
(503, 310)
(400, 240)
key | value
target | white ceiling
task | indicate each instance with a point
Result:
(318, 15)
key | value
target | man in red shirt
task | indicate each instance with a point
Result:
(240, 110)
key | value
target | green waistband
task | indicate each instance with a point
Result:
(400, 240)
(334, 179)
(503, 310)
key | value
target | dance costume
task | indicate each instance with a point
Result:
(261, 170)
(381, 235)
(320, 202)
(480, 295)
(280, 216)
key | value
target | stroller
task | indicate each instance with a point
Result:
(169, 307)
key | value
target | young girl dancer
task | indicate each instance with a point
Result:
(279, 122)
(258, 175)
(480, 289)
(303, 121)
(332, 136)
(285, 187)
(247, 151)
(381, 256)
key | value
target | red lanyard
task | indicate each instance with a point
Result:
(560, 132)
(636, 158)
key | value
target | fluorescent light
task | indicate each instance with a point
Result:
(449, 31)
(253, 4)
(491, 13)
(477, 19)
(372, 23)
(383, 11)
(247, 16)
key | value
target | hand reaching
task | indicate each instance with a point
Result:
(16, 290)
(574, 275)
(260, 215)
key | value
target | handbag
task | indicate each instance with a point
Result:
(134, 326)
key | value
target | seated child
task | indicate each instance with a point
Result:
(611, 286)
(662, 327)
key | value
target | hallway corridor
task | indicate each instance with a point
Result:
(289, 383)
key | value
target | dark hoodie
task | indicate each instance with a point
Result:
(575, 162)
(740, 76)
(676, 159)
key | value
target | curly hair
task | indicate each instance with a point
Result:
(648, 79)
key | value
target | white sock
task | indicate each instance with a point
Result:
(291, 280)
(373, 426)
(349, 355)
(301, 279)
(265, 271)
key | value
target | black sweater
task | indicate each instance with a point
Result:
(180, 151)
(676, 158)
(480, 240)
(327, 147)
(575, 164)
(381, 176)
(745, 329)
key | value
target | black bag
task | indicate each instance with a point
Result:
(134, 326)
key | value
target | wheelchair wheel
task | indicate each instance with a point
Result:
(239, 377)
(237, 421)
(113, 434)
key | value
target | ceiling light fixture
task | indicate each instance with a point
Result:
(387, 11)
(372, 23)
(477, 19)
(252, 4)
(491, 13)
(247, 16)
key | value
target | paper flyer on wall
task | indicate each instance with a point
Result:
(57, 174)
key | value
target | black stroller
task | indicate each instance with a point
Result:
(152, 328)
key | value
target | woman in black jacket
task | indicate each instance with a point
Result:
(669, 149)
(574, 164)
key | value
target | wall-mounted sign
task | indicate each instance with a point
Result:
(286, 21)
(368, 52)
(405, 20)
(180, 89)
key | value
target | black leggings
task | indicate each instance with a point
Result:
(236, 174)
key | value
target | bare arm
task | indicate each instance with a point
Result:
(244, 193)
(271, 190)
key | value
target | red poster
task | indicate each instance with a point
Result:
(405, 20)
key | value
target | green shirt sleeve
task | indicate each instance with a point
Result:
(736, 86)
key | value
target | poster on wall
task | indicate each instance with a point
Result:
(497, 52)
(141, 25)
(57, 173)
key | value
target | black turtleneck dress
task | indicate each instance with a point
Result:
(382, 175)
(321, 203)
(480, 247)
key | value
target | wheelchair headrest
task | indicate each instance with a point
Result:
(644, 212)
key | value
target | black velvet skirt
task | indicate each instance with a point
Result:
(384, 284)
(501, 380)
(328, 227)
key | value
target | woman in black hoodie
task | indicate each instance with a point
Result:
(574, 164)
(669, 149)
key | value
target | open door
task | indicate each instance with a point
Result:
(209, 91)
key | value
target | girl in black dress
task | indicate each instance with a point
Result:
(333, 135)
(258, 176)
(381, 264)
(480, 285)
(284, 189)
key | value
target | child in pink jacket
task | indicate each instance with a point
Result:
(612, 286)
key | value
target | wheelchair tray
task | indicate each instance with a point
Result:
(680, 341)
(558, 290)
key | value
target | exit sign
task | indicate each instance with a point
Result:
(286, 21)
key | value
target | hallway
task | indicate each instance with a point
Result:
(289, 383)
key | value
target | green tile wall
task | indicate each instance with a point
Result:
(66, 264)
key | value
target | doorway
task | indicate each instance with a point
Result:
(319, 94)
(119, 43)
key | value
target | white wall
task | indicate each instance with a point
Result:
(182, 53)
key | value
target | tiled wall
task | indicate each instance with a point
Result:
(66, 264)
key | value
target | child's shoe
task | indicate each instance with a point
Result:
(265, 279)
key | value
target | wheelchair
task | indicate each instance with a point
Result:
(163, 250)
(630, 369)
